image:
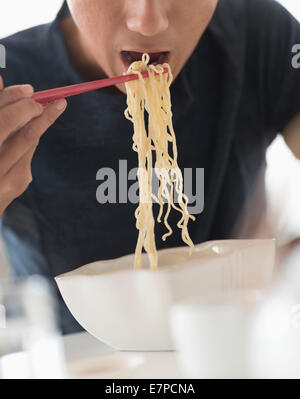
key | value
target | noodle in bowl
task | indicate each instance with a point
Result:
(128, 308)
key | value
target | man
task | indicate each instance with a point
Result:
(235, 88)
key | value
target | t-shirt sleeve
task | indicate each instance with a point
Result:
(274, 34)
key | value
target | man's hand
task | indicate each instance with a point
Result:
(22, 123)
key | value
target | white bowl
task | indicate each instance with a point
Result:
(128, 309)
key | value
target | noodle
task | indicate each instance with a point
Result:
(153, 95)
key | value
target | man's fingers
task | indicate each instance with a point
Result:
(12, 150)
(12, 94)
(34, 129)
(17, 179)
(22, 122)
(26, 159)
(14, 115)
(17, 144)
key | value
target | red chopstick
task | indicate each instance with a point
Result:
(46, 96)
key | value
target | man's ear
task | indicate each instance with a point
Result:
(291, 135)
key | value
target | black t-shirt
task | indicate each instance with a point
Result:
(235, 93)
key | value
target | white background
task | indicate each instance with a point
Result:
(17, 15)
(293, 6)
(282, 181)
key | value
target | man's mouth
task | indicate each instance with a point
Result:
(128, 57)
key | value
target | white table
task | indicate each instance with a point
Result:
(87, 357)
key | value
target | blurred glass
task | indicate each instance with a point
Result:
(211, 333)
(30, 345)
(275, 336)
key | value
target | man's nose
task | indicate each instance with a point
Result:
(147, 17)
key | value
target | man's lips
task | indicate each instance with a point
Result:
(158, 57)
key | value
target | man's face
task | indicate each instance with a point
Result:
(117, 32)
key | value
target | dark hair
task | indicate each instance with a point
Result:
(64, 11)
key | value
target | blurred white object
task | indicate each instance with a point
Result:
(30, 346)
(30, 13)
(211, 334)
(275, 345)
(293, 6)
(283, 191)
(128, 309)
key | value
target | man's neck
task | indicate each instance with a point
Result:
(84, 62)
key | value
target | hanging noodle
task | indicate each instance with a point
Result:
(153, 95)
